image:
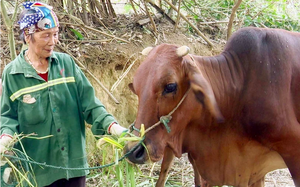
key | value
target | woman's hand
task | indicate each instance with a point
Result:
(6, 141)
(116, 129)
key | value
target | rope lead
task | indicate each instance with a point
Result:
(74, 169)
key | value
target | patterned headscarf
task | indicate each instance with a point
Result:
(39, 17)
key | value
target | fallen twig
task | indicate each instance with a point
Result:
(114, 86)
(90, 28)
(214, 22)
(85, 41)
(147, 20)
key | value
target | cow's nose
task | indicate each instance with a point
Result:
(137, 155)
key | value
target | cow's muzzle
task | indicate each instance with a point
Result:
(137, 153)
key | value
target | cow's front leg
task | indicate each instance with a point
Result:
(165, 167)
(259, 183)
(199, 181)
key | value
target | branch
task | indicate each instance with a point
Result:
(147, 20)
(9, 23)
(234, 9)
(178, 16)
(193, 26)
(158, 9)
(214, 22)
(138, 6)
(148, 13)
(90, 28)
(132, 5)
(89, 72)
(262, 10)
(84, 41)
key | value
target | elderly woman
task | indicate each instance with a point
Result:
(46, 93)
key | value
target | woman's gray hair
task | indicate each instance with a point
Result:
(21, 32)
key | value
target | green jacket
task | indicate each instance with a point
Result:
(58, 107)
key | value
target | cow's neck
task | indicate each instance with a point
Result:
(226, 77)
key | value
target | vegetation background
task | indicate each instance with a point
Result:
(105, 37)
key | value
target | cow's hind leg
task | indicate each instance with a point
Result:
(165, 167)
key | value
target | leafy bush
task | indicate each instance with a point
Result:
(259, 13)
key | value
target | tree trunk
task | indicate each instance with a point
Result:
(84, 12)
(104, 9)
(10, 28)
(111, 10)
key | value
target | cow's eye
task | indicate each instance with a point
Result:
(169, 88)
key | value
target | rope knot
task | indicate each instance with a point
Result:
(165, 120)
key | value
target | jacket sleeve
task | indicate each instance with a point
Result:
(9, 115)
(94, 111)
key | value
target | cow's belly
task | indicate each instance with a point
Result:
(239, 164)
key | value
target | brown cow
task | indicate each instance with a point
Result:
(236, 114)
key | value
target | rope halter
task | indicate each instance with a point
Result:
(163, 119)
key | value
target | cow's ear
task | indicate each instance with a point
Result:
(203, 92)
(130, 85)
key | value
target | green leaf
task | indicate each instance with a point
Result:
(142, 130)
(127, 8)
(116, 157)
(113, 142)
(77, 34)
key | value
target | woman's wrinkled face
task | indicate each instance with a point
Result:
(42, 43)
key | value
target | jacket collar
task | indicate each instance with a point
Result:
(21, 66)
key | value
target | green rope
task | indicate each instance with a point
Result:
(59, 167)
(133, 128)
(12, 181)
(165, 120)
(66, 168)
(13, 184)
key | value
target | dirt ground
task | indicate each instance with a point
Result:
(113, 63)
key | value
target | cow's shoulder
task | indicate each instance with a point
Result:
(245, 39)
(250, 39)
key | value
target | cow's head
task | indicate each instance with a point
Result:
(160, 82)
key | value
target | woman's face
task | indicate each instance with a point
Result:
(43, 42)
